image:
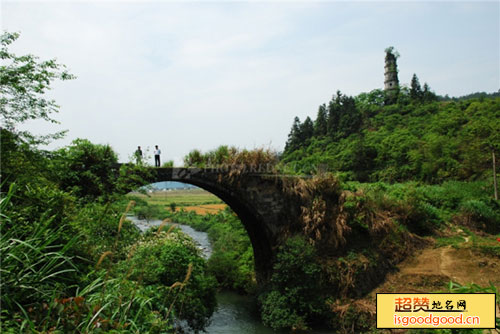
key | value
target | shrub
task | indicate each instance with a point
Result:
(407, 204)
(277, 312)
(168, 164)
(86, 169)
(170, 264)
(232, 261)
(148, 212)
(103, 305)
(295, 298)
(481, 214)
(104, 228)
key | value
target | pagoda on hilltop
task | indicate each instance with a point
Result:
(391, 81)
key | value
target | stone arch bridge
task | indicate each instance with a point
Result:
(257, 198)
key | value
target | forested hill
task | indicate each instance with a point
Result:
(420, 137)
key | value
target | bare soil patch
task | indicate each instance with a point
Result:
(431, 269)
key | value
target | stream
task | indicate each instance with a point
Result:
(235, 314)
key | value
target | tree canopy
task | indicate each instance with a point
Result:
(417, 138)
(23, 82)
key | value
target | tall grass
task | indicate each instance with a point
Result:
(33, 264)
(41, 289)
(236, 161)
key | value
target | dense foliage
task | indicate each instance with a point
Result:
(232, 261)
(440, 151)
(431, 207)
(84, 163)
(295, 297)
(68, 253)
(67, 261)
(159, 262)
(418, 138)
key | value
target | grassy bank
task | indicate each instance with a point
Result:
(72, 263)
(232, 255)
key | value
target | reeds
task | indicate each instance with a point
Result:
(235, 161)
(102, 257)
(180, 287)
(122, 220)
(323, 218)
(124, 215)
(165, 222)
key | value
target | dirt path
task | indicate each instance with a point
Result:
(430, 270)
(439, 261)
(448, 262)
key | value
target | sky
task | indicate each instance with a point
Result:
(196, 75)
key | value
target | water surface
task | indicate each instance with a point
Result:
(235, 314)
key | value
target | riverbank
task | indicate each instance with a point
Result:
(434, 241)
(235, 313)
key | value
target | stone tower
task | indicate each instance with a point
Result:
(391, 82)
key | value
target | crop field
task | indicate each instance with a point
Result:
(205, 208)
(197, 200)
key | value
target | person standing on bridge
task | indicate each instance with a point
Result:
(157, 156)
(138, 155)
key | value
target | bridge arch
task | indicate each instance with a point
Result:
(256, 199)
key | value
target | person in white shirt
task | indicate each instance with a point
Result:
(157, 156)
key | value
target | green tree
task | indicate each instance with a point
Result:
(321, 122)
(86, 169)
(334, 114)
(374, 98)
(480, 136)
(415, 89)
(427, 94)
(344, 118)
(294, 136)
(350, 119)
(23, 82)
(307, 130)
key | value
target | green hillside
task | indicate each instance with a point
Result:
(420, 137)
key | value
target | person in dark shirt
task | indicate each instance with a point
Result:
(138, 155)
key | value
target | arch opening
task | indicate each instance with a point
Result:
(248, 216)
